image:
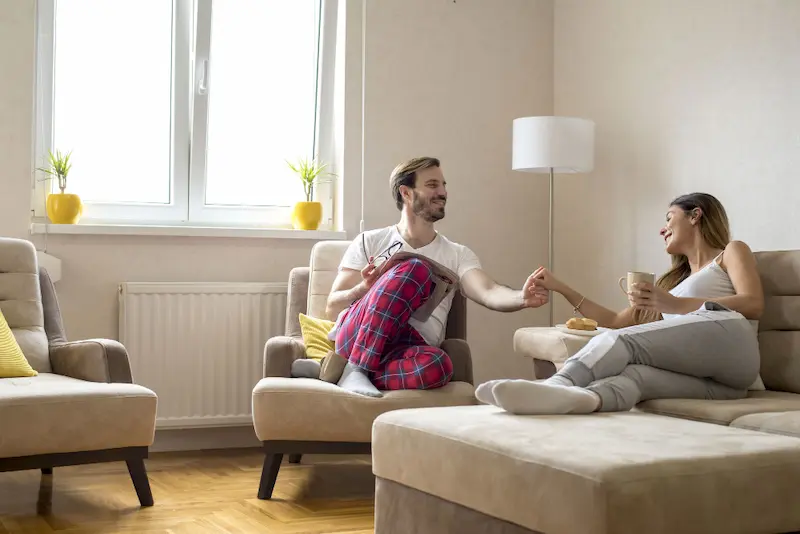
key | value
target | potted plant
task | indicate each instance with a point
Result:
(307, 215)
(62, 208)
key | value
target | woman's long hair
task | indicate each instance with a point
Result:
(715, 231)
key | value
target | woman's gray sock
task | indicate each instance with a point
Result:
(354, 379)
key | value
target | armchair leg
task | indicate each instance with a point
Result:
(269, 474)
(138, 474)
(47, 470)
(295, 458)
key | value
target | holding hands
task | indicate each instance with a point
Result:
(534, 293)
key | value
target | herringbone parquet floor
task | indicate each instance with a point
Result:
(195, 493)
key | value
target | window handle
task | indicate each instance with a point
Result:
(202, 87)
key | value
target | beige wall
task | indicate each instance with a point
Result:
(447, 79)
(687, 95)
(443, 78)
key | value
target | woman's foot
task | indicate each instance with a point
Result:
(524, 397)
(484, 392)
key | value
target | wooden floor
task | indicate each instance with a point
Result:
(197, 493)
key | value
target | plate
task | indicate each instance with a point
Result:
(586, 333)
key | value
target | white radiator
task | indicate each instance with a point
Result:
(200, 346)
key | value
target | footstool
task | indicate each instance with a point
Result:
(479, 469)
(548, 347)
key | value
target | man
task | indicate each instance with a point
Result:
(375, 330)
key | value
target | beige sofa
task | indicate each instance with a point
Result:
(669, 466)
(298, 416)
(82, 407)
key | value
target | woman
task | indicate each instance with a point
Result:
(692, 335)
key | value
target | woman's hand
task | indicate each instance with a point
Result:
(544, 279)
(646, 296)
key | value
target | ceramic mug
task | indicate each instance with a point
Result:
(635, 277)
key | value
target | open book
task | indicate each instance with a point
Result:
(445, 281)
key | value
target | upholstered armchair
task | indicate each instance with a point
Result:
(82, 407)
(298, 416)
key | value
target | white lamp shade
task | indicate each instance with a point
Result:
(565, 144)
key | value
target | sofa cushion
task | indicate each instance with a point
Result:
(786, 423)
(305, 409)
(21, 300)
(779, 326)
(51, 413)
(722, 412)
(600, 473)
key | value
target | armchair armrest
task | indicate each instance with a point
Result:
(461, 356)
(94, 360)
(279, 353)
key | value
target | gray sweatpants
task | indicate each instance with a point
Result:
(711, 353)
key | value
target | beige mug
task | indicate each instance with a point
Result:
(635, 277)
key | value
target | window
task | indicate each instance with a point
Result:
(185, 111)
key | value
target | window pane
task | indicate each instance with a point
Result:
(261, 100)
(112, 98)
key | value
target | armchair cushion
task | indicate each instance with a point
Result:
(95, 360)
(21, 300)
(315, 336)
(50, 413)
(12, 361)
(305, 409)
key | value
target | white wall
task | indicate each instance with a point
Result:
(687, 95)
(443, 78)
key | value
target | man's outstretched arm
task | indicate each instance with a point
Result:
(479, 287)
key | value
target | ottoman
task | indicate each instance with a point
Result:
(479, 469)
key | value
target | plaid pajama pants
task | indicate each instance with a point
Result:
(374, 333)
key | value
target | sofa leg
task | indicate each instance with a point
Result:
(295, 458)
(47, 470)
(269, 474)
(140, 482)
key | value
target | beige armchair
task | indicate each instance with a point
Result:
(82, 407)
(298, 416)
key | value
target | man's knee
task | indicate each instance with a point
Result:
(441, 361)
(414, 268)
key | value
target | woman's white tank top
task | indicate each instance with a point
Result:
(709, 283)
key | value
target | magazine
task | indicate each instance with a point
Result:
(445, 280)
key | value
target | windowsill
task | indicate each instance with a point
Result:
(185, 231)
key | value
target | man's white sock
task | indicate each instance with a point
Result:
(524, 397)
(353, 379)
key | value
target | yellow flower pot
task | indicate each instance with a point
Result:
(307, 215)
(64, 208)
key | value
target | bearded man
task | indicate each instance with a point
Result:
(374, 329)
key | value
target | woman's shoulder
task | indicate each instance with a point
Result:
(739, 253)
(738, 249)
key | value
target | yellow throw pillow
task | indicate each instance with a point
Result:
(315, 336)
(12, 362)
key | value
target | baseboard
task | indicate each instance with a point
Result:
(193, 439)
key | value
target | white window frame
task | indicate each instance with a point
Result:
(192, 84)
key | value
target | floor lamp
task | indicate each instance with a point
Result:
(553, 145)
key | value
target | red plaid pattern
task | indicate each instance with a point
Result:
(375, 335)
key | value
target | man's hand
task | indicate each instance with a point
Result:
(534, 295)
(369, 274)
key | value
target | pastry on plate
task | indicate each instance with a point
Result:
(582, 323)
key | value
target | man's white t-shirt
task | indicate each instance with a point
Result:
(454, 256)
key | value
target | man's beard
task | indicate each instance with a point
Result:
(426, 210)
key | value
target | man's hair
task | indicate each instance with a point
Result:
(406, 174)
